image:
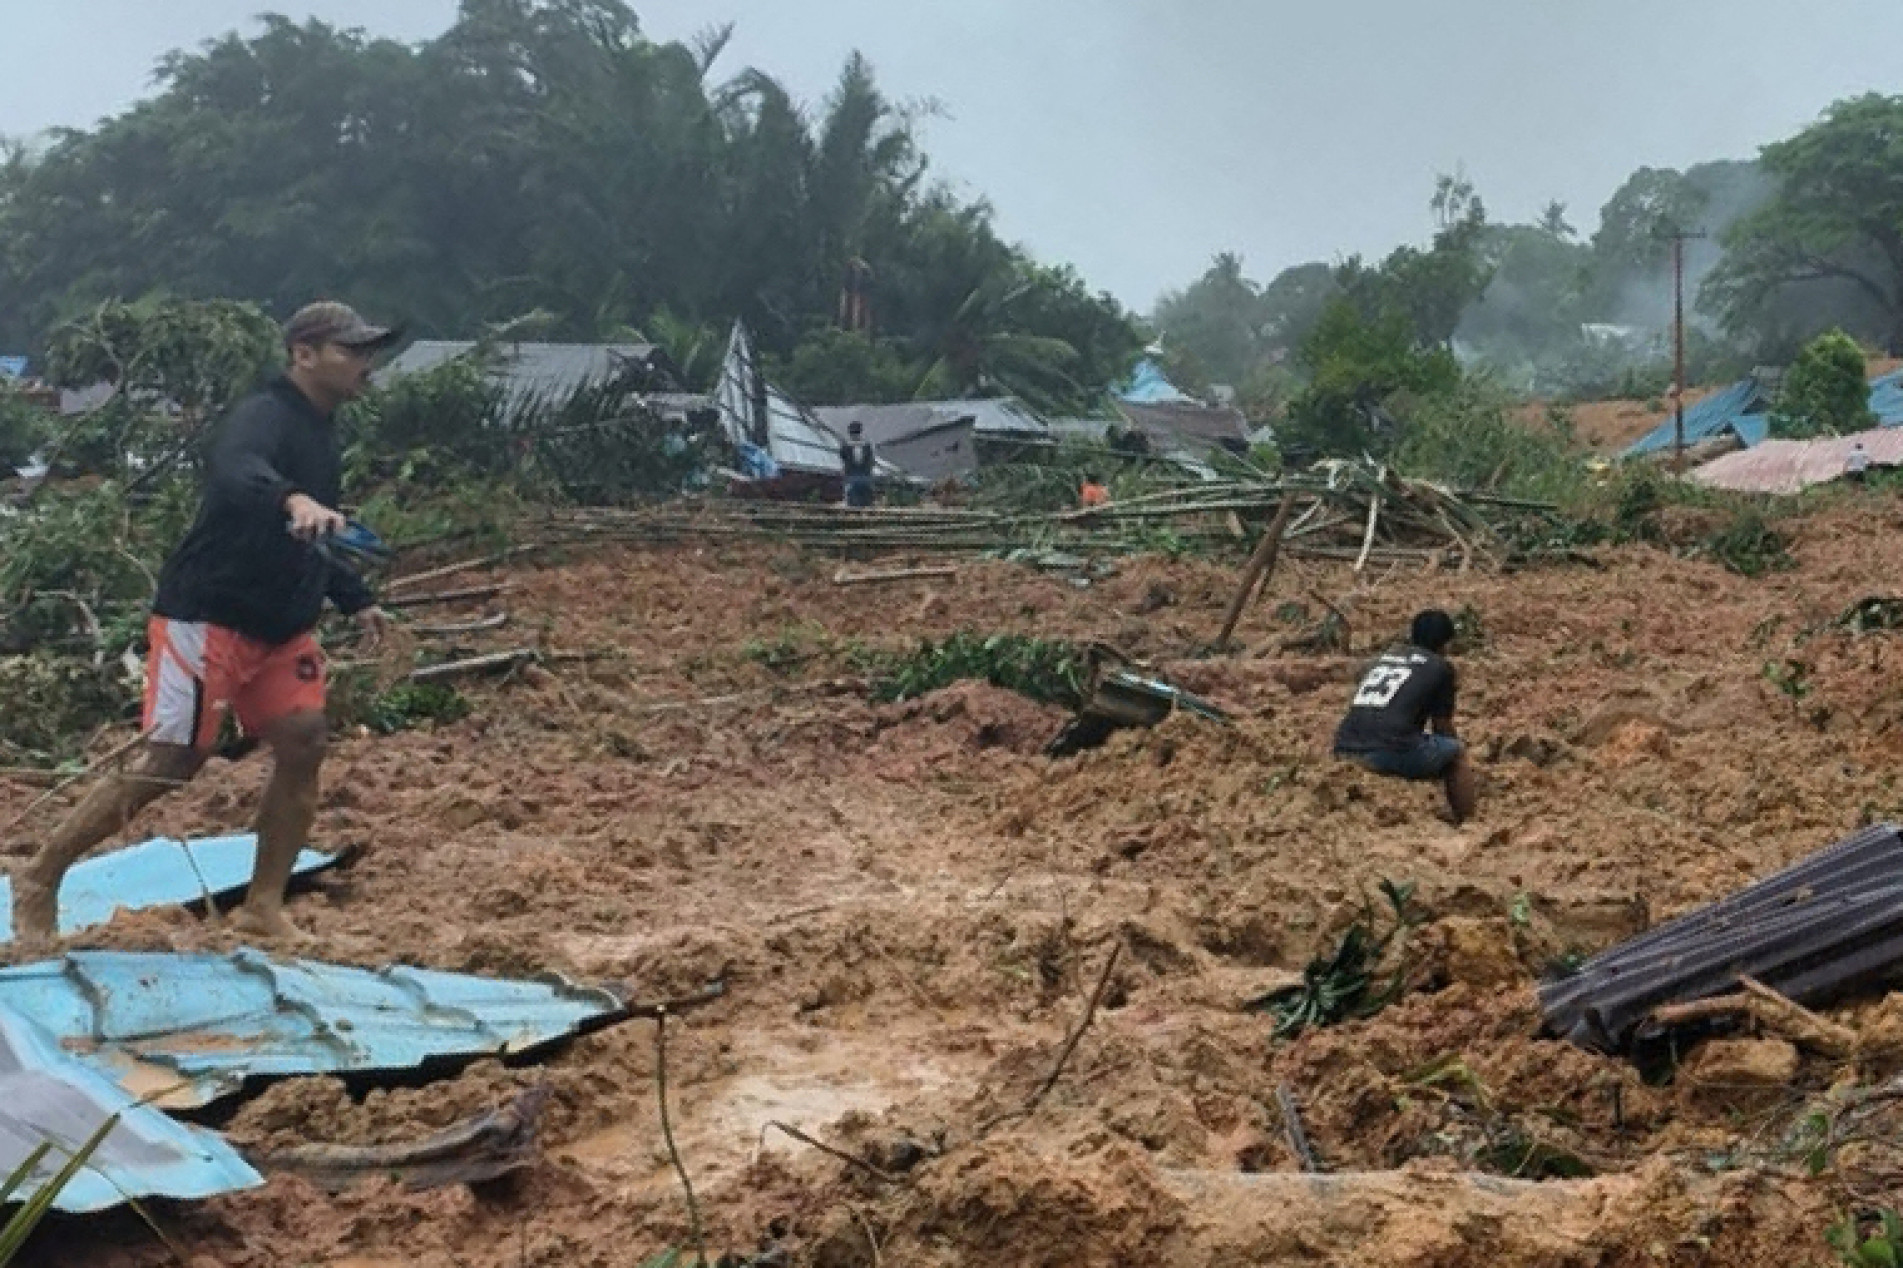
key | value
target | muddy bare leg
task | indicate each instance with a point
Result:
(284, 820)
(1461, 793)
(106, 809)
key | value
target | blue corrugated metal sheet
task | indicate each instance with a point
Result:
(48, 1094)
(1752, 429)
(1886, 399)
(155, 873)
(1741, 410)
(1737, 409)
(1149, 386)
(216, 1020)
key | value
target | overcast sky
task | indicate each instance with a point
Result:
(1136, 138)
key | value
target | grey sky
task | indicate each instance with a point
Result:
(1136, 138)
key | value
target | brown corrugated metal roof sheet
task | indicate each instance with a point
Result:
(1791, 466)
(1824, 927)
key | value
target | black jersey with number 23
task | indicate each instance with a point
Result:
(1395, 699)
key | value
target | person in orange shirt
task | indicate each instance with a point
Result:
(1093, 492)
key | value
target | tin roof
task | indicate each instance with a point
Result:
(1739, 409)
(49, 1094)
(1791, 466)
(1821, 928)
(536, 373)
(156, 873)
(794, 439)
(888, 424)
(196, 1026)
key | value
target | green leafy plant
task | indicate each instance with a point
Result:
(792, 647)
(409, 704)
(1875, 1243)
(1048, 670)
(1792, 677)
(21, 1224)
(1343, 984)
(1749, 546)
(356, 701)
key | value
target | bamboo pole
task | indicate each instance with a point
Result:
(1261, 564)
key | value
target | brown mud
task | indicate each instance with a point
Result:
(909, 905)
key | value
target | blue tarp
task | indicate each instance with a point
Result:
(49, 1094)
(1149, 386)
(1886, 399)
(1732, 410)
(213, 1021)
(12, 367)
(156, 873)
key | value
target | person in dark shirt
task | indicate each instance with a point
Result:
(231, 623)
(858, 459)
(1409, 688)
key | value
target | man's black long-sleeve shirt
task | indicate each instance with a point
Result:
(239, 567)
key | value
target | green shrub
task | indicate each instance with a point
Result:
(1825, 393)
(1467, 437)
(1046, 670)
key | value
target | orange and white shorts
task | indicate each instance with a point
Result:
(196, 670)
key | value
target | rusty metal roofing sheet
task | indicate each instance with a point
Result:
(48, 1094)
(1791, 466)
(156, 873)
(1825, 926)
(198, 1025)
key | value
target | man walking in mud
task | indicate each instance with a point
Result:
(231, 624)
(1409, 688)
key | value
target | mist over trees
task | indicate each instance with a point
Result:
(1805, 239)
(545, 156)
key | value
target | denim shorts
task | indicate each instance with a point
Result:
(1429, 758)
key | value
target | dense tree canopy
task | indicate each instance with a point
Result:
(540, 155)
(1834, 225)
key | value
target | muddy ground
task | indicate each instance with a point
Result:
(909, 905)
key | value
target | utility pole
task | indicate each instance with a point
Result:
(1678, 354)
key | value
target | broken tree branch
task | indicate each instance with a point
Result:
(1261, 565)
(466, 565)
(667, 1134)
(1292, 1125)
(97, 764)
(1367, 537)
(476, 664)
(844, 578)
(446, 596)
(1826, 1036)
(495, 622)
(878, 1173)
(1070, 1046)
(1770, 1010)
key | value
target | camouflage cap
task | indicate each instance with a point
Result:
(330, 322)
